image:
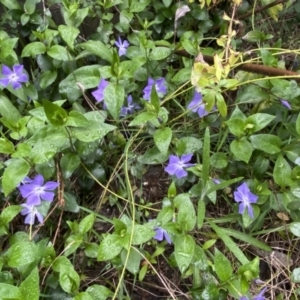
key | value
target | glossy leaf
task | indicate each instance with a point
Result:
(33, 49)
(184, 251)
(99, 292)
(30, 287)
(14, 174)
(110, 247)
(241, 149)
(87, 76)
(222, 266)
(56, 115)
(68, 34)
(60, 53)
(114, 96)
(282, 172)
(231, 245)
(162, 139)
(186, 212)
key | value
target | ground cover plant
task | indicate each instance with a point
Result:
(149, 149)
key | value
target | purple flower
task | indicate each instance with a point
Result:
(216, 180)
(13, 77)
(125, 110)
(36, 191)
(31, 212)
(245, 197)
(99, 93)
(197, 105)
(162, 234)
(259, 296)
(122, 46)
(176, 165)
(286, 104)
(160, 86)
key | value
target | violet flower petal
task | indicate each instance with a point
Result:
(47, 196)
(286, 104)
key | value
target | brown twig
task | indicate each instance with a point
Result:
(258, 10)
(252, 68)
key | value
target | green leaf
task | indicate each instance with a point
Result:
(95, 130)
(22, 253)
(141, 233)
(165, 215)
(295, 228)
(223, 185)
(8, 110)
(47, 141)
(230, 244)
(69, 280)
(6, 147)
(60, 53)
(29, 6)
(153, 156)
(47, 78)
(77, 119)
(68, 34)
(9, 213)
(110, 247)
(97, 48)
(274, 10)
(186, 212)
(254, 36)
(236, 126)
(206, 156)
(222, 266)
(298, 124)
(162, 139)
(184, 251)
(99, 292)
(296, 275)
(69, 163)
(133, 262)
(30, 287)
(187, 145)
(88, 77)
(266, 142)
(56, 115)
(83, 296)
(201, 213)
(139, 6)
(61, 263)
(71, 203)
(282, 172)
(221, 104)
(183, 75)
(142, 118)
(251, 270)
(72, 243)
(252, 94)
(258, 121)
(247, 238)
(33, 49)
(219, 160)
(114, 95)
(241, 149)
(10, 291)
(159, 53)
(14, 174)
(86, 223)
(75, 16)
(11, 4)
